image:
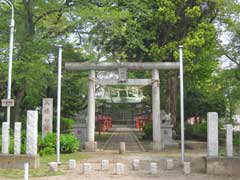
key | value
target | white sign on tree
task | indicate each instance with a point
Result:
(47, 115)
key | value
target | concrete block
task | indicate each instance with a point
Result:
(53, 166)
(187, 168)
(91, 146)
(104, 165)
(87, 168)
(122, 148)
(10, 161)
(136, 164)
(153, 168)
(169, 164)
(157, 146)
(119, 169)
(223, 166)
(72, 164)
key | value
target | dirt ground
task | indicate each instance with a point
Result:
(143, 174)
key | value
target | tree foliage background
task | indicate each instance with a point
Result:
(137, 31)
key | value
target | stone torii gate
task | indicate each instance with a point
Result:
(91, 144)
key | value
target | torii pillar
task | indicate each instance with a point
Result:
(91, 144)
(156, 122)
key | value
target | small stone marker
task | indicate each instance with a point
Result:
(153, 168)
(87, 168)
(136, 164)
(104, 165)
(5, 138)
(17, 138)
(32, 132)
(53, 166)
(170, 164)
(72, 164)
(187, 168)
(212, 118)
(122, 148)
(119, 169)
(229, 140)
(26, 170)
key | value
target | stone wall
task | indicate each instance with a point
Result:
(226, 166)
(10, 161)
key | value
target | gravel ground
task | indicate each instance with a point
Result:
(143, 174)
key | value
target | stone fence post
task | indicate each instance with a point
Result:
(212, 139)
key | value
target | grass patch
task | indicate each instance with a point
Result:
(43, 170)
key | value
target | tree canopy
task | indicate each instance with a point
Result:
(135, 31)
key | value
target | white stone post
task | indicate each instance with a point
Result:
(91, 145)
(170, 164)
(26, 169)
(119, 169)
(104, 165)
(17, 138)
(212, 118)
(5, 138)
(187, 168)
(136, 164)
(72, 164)
(53, 166)
(122, 147)
(87, 168)
(32, 132)
(157, 141)
(153, 168)
(229, 140)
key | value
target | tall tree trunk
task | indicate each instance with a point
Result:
(28, 9)
(171, 102)
(29, 32)
(17, 108)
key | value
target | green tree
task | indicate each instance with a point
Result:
(151, 31)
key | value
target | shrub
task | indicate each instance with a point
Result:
(196, 131)
(47, 151)
(148, 131)
(66, 124)
(236, 139)
(47, 145)
(68, 143)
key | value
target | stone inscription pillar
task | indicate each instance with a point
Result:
(32, 132)
(91, 145)
(5, 138)
(17, 138)
(212, 118)
(157, 141)
(47, 115)
(229, 140)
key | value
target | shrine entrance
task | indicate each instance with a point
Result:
(123, 118)
(122, 81)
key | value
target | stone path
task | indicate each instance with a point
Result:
(130, 139)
